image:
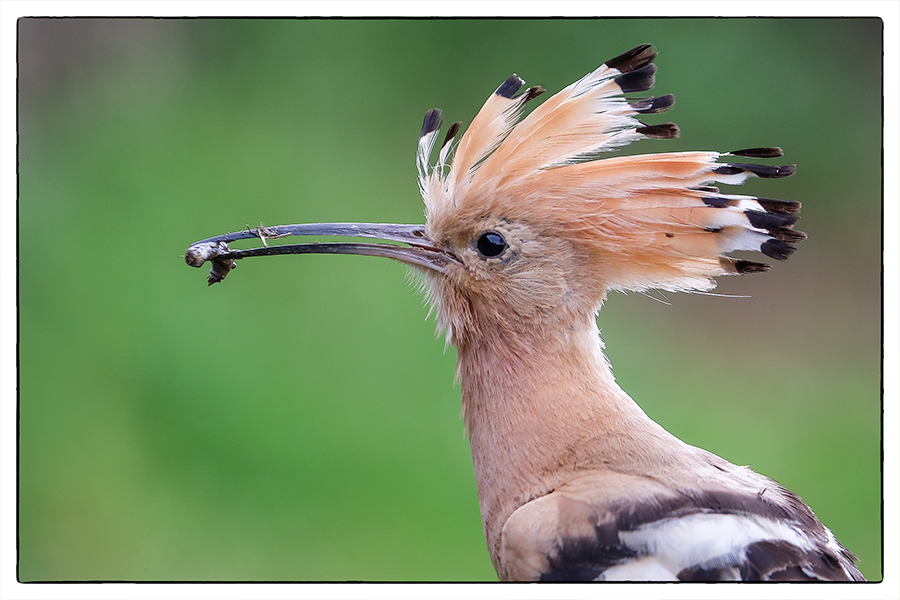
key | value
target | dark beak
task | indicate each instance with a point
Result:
(417, 250)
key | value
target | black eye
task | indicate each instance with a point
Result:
(491, 243)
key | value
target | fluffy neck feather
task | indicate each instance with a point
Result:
(543, 406)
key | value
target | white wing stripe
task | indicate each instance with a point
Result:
(707, 540)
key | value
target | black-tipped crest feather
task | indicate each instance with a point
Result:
(772, 152)
(764, 171)
(649, 106)
(663, 131)
(451, 133)
(765, 220)
(787, 235)
(531, 93)
(432, 122)
(639, 80)
(773, 205)
(777, 249)
(509, 87)
(748, 266)
(633, 59)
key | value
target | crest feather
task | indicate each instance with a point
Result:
(490, 126)
(588, 117)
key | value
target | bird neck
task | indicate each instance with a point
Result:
(539, 408)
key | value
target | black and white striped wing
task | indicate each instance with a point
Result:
(673, 536)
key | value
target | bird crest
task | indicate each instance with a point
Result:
(646, 221)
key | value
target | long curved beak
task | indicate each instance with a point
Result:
(418, 249)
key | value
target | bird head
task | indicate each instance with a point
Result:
(529, 226)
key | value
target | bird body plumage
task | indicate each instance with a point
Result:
(527, 231)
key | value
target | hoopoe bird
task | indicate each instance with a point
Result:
(527, 230)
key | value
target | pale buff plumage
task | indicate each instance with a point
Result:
(528, 228)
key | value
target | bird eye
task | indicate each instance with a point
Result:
(491, 243)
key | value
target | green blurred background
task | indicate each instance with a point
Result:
(299, 421)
